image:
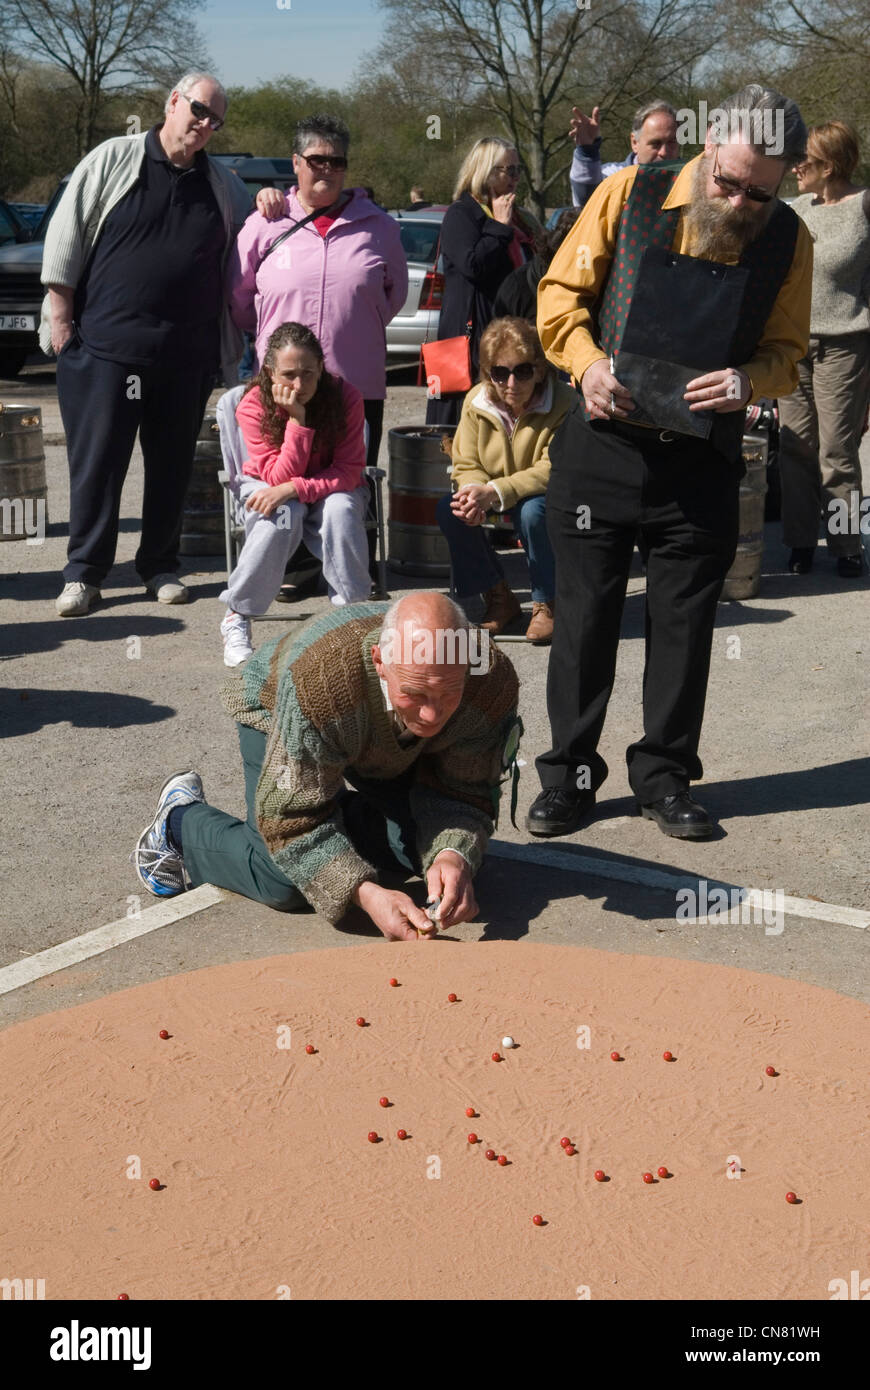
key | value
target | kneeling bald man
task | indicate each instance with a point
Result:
(375, 740)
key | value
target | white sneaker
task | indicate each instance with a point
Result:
(167, 588)
(236, 632)
(76, 599)
(159, 865)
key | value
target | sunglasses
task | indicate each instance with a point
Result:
(731, 187)
(203, 112)
(320, 163)
(513, 169)
(523, 371)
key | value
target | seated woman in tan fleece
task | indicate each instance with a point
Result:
(501, 463)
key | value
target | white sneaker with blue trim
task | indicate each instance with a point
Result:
(159, 865)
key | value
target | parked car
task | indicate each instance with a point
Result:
(417, 320)
(29, 213)
(13, 227)
(257, 173)
(21, 292)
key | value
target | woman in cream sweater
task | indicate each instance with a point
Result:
(501, 463)
(822, 421)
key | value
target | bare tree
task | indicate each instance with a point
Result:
(814, 27)
(818, 51)
(526, 60)
(106, 47)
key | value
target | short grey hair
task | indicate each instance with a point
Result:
(329, 129)
(185, 85)
(650, 110)
(759, 112)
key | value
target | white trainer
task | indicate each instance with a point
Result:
(167, 588)
(236, 632)
(159, 865)
(76, 599)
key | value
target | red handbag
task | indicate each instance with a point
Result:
(447, 364)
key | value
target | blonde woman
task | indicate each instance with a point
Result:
(501, 463)
(483, 238)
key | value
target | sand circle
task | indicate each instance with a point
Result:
(269, 1187)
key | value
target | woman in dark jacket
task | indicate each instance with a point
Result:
(518, 294)
(483, 238)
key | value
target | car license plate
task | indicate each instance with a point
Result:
(18, 323)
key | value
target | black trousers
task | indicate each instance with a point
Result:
(611, 485)
(374, 414)
(102, 405)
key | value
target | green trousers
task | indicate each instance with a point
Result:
(232, 854)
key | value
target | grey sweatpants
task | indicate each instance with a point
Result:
(334, 531)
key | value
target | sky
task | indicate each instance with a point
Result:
(322, 41)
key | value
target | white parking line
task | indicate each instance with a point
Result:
(93, 943)
(581, 863)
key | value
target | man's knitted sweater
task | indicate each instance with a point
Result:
(317, 697)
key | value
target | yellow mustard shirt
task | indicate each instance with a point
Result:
(578, 273)
(518, 466)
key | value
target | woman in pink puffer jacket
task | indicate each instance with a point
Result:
(344, 274)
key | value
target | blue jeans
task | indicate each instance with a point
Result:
(476, 566)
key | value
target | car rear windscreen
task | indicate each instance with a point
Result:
(419, 240)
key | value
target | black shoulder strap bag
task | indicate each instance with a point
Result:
(297, 226)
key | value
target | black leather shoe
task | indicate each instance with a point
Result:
(801, 560)
(680, 816)
(850, 566)
(558, 811)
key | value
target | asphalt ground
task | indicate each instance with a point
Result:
(96, 712)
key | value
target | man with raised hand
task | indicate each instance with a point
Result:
(653, 139)
(373, 741)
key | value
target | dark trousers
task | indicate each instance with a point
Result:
(679, 500)
(374, 415)
(102, 405)
(231, 853)
(444, 410)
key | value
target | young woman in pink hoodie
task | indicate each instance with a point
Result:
(304, 431)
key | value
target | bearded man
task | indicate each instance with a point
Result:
(614, 482)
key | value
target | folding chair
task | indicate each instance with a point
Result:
(231, 475)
